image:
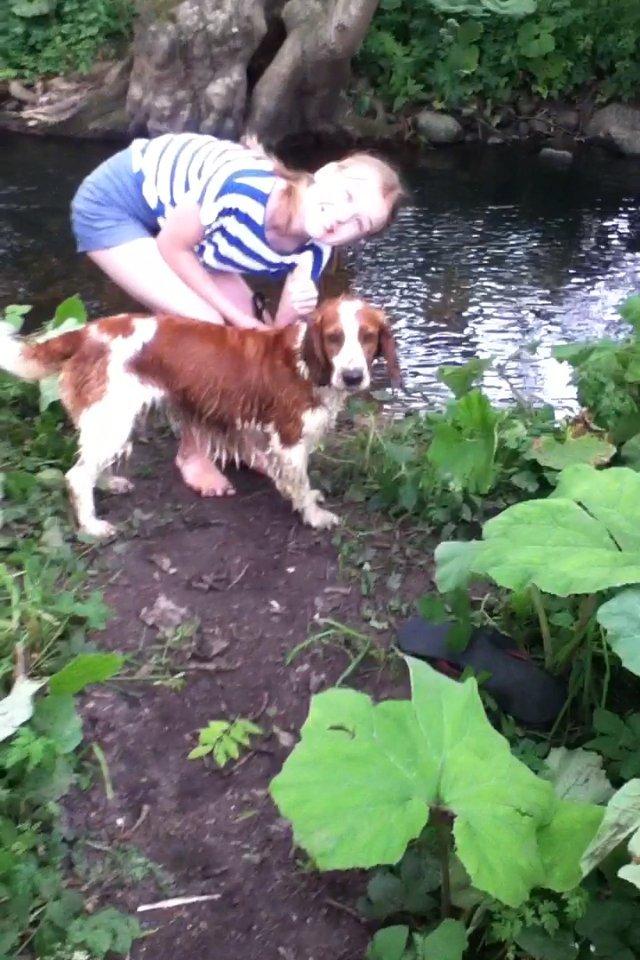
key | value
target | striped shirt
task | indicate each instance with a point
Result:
(231, 185)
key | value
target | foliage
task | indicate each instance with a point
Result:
(450, 53)
(621, 818)
(580, 540)
(607, 377)
(457, 466)
(447, 942)
(224, 739)
(618, 740)
(436, 757)
(46, 612)
(40, 37)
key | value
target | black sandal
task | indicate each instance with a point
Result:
(520, 688)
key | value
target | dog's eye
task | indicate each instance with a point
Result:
(368, 336)
(334, 339)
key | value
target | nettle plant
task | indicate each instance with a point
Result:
(367, 780)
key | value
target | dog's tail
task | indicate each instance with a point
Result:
(33, 359)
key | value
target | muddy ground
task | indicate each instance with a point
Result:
(254, 578)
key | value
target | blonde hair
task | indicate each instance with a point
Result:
(393, 190)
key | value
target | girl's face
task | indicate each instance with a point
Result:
(344, 203)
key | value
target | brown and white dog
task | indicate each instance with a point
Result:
(272, 393)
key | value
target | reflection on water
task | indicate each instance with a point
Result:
(496, 251)
(499, 250)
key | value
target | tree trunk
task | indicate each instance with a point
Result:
(190, 65)
(301, 87)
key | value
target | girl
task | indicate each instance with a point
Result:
(177, 220)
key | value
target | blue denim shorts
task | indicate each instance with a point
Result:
(109, 208)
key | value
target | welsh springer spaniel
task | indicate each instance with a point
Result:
(270, 394)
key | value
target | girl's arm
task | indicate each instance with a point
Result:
(299, 298)
(181, 232)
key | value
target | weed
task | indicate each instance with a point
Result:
(354, 643)
(225, 739)
(46, 613)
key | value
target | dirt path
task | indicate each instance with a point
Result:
(254, 577)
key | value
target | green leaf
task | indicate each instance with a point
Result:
(465, 441)
(14, 315)
(550, 452)
(564, 840)
(33, 8)
(56, 717)
(49, 392)
(611, 929)
(359, 765)
(455, 563)
(630, 452)
(583, 539)
(17, 707)
(71, 309)
(433, 608)
(630, 311)
(620, 617)
(84, 669)
(631, 872)
(224, 739)
(577, 775)
(540, 945)
(447, 942)
(388, 944)
(621, 817)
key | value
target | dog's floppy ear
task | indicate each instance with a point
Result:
(387, 349)
(314, 353)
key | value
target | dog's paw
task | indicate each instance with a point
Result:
(100, 529)
(320, 519)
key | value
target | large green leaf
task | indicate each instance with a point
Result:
(464, 443)
(360, 784)
(564, 839)
(620, 617)
(556, 454)
(584, 538)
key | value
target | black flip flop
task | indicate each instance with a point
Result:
(519, 687)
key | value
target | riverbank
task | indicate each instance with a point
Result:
(93, 106)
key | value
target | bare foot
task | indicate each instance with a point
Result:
(199, 473)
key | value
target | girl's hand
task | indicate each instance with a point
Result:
(303, 294)
(248, 323)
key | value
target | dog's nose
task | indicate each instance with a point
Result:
(352, 378)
